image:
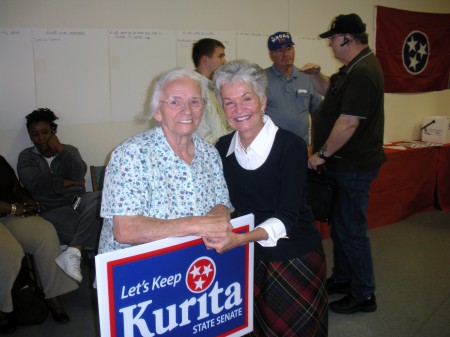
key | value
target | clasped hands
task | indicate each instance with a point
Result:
(219, 234)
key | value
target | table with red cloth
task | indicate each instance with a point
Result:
(414, 179)
(443, 178)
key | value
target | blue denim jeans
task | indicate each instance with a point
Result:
(351, 245)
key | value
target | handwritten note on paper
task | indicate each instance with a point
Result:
(253, 47)
(17, 89)
(72, 74)
(136, 57)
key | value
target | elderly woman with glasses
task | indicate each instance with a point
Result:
(167, 181)
(265, 169)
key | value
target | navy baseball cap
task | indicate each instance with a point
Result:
(345, 24)
(279, 40)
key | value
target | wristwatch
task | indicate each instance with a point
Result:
(321, 154)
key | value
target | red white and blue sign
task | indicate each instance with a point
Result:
(177, 287)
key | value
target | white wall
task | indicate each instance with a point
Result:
(404, 113)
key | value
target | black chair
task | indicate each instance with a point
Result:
(97, 176)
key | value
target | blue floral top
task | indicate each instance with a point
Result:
(145, 176)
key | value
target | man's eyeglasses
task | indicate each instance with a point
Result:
(331, 38)
(281, 50)
(176, 102)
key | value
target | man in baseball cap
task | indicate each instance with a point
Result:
(279, 40)
(291, 96)
(345, 24)
(348, 130)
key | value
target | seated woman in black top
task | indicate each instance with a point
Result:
(22, 230)
(265, 169)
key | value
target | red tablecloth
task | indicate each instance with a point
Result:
(443, 178)
(407, 184)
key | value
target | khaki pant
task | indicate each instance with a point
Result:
(36, 236)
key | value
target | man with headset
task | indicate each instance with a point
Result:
(348, 132)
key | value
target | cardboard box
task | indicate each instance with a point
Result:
(436, 129)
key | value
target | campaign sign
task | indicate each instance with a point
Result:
(177, 287)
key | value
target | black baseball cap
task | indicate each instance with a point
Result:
(345, 24)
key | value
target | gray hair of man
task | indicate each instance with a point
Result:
(240, 71)
(161, 81)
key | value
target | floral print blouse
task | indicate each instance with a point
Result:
(145, 176)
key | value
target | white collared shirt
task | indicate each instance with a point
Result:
(252, 158)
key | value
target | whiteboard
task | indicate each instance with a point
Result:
(98, 75)
(17, 89)
(72, 74)
(136, 57)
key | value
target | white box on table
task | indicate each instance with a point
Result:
(436, 129)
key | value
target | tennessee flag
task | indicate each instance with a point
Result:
(413, 49)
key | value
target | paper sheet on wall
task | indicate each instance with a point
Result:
(136, 57)
(17, 90)
(310, 49)
(72, 74)
(253, 47)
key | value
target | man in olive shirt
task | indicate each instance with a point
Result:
(348, 140)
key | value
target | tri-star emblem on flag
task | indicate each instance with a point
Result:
(416, 52)
(413, 49)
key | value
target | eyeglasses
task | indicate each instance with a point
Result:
(331, 38)
(281, 50)
(176, 102)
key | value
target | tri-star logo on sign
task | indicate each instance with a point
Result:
(201, 274)
(176, 287)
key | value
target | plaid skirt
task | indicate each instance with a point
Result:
(290, 298)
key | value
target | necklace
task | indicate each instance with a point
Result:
(240, 144)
